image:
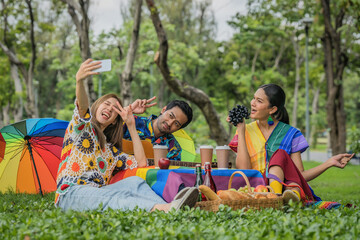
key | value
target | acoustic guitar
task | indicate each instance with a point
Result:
(185, 164)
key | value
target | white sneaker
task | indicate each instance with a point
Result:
(181, 193)
(290, 195)
(189, 198)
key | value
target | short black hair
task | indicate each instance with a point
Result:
(184, 106)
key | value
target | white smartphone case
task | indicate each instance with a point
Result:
(105, 65)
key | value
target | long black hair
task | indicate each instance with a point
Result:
(277, 97)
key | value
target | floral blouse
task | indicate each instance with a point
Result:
(83, 162)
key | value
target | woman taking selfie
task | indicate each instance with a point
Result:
(92, 151)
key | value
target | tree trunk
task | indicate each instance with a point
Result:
(279, 56)
(315, 106)
(30, 107)
(197, 96)
(75, 9)
(121, 56)
(5, 114)
(126, 76)
(297, 80)
(1, 119)
(161, 97)
(18, 108)
(335, 63)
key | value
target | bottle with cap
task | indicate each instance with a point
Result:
(208, 180)
(199, 181)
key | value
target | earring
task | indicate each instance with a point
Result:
(270, 121)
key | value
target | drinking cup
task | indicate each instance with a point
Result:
(160, 151)
(222, 156)
(206, 153)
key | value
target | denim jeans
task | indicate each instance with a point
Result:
(125, 195)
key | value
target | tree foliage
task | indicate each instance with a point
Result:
(268, 39)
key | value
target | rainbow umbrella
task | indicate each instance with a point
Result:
(32, 155)
(188, 153)
(2, 147)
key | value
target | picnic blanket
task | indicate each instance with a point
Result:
(323, 204)
(166, 183)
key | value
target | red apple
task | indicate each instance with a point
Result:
(261, 188)
(164, 163)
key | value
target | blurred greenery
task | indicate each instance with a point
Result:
(228, 71)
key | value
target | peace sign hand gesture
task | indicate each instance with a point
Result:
(125, 113)
(139, 106)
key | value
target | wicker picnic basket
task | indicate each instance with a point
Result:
(253, 203)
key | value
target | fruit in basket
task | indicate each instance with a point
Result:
(245, 189)
(261, 188)
(164, 163)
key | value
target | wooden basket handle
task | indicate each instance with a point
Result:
(270, 188)
(244, 176)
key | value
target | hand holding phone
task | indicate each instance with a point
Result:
(105, 65)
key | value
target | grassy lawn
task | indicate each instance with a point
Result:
(337, 184)
(35, 216)
(319, 148)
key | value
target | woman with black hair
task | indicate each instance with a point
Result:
(269, 144)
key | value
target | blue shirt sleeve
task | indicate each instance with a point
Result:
(141, 127)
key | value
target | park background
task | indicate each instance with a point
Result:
(213, 66)
(219, 52)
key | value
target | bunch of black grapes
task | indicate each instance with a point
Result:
(237, 114)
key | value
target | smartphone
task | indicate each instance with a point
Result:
(105, 65)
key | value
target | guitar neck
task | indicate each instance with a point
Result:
(182, 163)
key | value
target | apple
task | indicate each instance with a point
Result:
(164, 163)
(261, 188)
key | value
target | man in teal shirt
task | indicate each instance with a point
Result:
(158, 129)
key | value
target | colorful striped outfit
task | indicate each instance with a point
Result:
(283, 137)
(282, 142)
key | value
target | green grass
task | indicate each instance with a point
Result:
(337, 184)
(35, 216)
(319, 148)
(321, 145)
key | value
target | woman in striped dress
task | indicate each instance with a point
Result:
(269, 144)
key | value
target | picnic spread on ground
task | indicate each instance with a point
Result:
(46, 136)
(268, 155)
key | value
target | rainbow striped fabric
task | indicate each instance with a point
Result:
(166, 183)
(260, 150)
(323, 204)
